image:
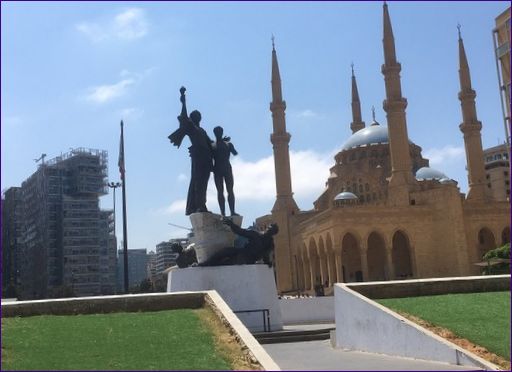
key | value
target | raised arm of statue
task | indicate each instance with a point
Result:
(249, 234)
(177, 136)
(183, 103)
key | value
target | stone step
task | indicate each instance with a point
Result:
(293, 336)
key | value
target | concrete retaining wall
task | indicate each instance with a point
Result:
(105, 304)
(434, 286)
(364, 325)
(148, 302)
(242, 334)
(307, 310)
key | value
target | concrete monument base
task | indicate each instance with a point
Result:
(210, 235)
(244, 288)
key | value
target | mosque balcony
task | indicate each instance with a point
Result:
(394, 68)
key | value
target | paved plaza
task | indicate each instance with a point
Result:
(321, 356)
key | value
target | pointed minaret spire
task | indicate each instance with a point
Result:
(280, 138)
(277, 95)
(389, 40)
(401, 165)
(284, 206)
(374, 121)
(464, 75)
(471, 128)
(357, 122)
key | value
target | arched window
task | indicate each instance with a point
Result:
(376, 256)
(351, 259)
(401, 256)
(486, 242)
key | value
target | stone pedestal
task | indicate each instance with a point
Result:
(210, 234)
(243, 287)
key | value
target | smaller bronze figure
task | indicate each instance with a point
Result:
(260, 246)
(186, 257)
(222, 149)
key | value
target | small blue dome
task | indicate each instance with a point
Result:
(367, 136)
(427, 173)
(345, 195)
(447, 181)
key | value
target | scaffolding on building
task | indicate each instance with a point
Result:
(67, 243)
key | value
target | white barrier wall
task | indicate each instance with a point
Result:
(364, 325)
(243, 287)
(307, 310)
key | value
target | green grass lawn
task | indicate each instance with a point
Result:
(163, 340)
(482, 318)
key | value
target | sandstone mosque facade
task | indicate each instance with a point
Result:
(384, 214)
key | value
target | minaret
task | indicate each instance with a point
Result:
(374, 121)
(471, 128)
(285, 205)
(394, 105)
(357, 121)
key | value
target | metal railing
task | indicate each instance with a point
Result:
(265, 313)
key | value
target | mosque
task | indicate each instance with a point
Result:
(384, 214)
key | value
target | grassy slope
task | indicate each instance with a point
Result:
(482, 318)
(124, 341)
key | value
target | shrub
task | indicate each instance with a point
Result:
(498, 253)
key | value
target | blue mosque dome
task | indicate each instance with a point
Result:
(447, 181)
(367, 136)
(427, 173)
(345, 195)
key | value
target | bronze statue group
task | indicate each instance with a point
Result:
(206, 156)
(213, 156)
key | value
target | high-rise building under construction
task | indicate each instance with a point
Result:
(65, 245)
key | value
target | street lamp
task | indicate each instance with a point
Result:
(114, 186)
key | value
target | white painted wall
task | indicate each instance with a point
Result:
(242, 287)
(307, 310)
(364, 325)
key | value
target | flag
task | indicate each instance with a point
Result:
(120, 162)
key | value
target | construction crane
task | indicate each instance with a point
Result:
(41, 159)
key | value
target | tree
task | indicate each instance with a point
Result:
(498, 260)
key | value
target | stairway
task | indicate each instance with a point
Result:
(278, 337)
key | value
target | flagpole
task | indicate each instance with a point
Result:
(125, 235)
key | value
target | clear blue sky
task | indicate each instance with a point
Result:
(71, 71)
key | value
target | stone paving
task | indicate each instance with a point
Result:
(321, 356)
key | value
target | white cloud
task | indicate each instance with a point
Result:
(92, 31)
(256, 180)
(130, 24)
(310, 171)
(447, 155)
(307, 114)
(105, 93)
(131, 113)
(177, 206)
